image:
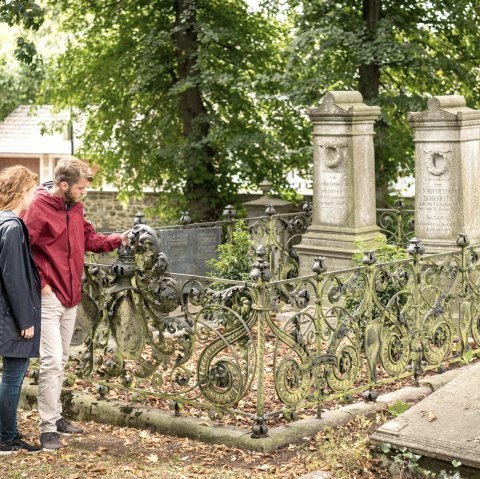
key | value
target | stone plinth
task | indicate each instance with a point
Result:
(447, 169)
(343, 180)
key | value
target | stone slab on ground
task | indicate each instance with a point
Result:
(444, 426)
(317, 475)
(83, 406)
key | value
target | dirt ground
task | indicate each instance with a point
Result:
(105, 451)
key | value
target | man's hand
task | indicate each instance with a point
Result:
(124, 237)
(47, 290)
(28, 333)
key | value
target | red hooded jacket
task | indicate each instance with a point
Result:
(59, 237)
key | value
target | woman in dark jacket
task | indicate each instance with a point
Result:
(19, 301)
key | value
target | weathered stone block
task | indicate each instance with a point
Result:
(447, 168)
(344, 180)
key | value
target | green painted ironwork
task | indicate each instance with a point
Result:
(273, 347)
(397, 223)
(280, 233)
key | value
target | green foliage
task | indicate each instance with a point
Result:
(22, 69)
(407, 462)
(398, 407)
(17, 86)
(408, 466)
(235, 258)
(468, 356)
(180, 96)
(384, 251)
(27, 14)
(448, 475)
(385, 447)
(197, 99)
(21, 12)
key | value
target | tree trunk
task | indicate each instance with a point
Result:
(369, 81)
(369, 87)
(201, 183)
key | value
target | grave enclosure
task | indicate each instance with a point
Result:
(297, 336)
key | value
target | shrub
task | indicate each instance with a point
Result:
(235, 258)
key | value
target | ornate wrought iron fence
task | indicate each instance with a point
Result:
(279, 234)
(267, 348)
(397, 223)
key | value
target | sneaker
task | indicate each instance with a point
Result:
(16, 445)
(66, 428)
(50, 441)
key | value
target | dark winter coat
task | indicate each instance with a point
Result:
(60, 235)
(19, 290)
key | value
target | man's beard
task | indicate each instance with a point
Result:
(70, 198)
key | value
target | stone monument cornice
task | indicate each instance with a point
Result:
(448, 109)
(345, 105)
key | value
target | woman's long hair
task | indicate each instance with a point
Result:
(15, 181)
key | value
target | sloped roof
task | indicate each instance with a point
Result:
(21, 131)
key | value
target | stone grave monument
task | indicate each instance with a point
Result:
(258, 206)
(343, 180)
(447, 172)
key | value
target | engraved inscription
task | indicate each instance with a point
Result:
(437, 207)
(207, 243)
(333, 197)
(332, 181)
(187, 250)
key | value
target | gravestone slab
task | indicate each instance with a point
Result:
(188, 249)
(445, 426)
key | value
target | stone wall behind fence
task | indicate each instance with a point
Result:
(107, 214)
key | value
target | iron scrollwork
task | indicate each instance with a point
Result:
(174, 335)
(302, 340)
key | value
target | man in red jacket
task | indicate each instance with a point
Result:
(59, 237)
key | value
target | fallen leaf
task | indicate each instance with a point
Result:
(429, 415)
